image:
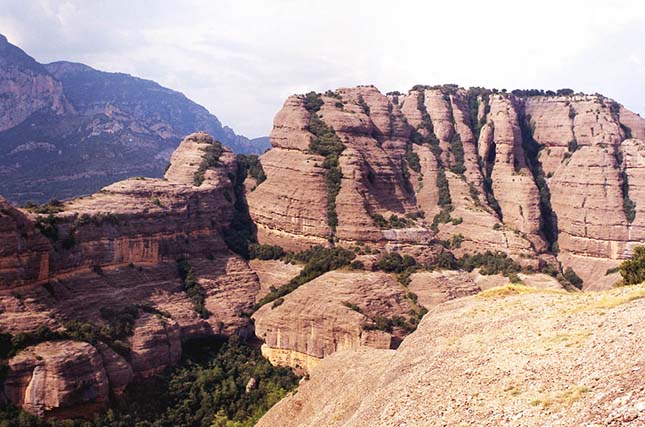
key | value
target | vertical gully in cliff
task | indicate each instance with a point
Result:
(242, 231)
(327, 144)
(475, 96)
(629, 206)
(445, 201)
(548, 218)
(456, 145)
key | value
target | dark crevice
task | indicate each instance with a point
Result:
(548, 218)
(629, 206)
(487, 171)
(445, 201)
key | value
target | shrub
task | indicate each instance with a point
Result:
(573, 278)
(313, 102)
(612, 270)
(277, 303)
(52, 207)
(363, 105)
(446, 260)
(318, 260)
(193, 289)
(413, 159)
(572, 145)
(265, 252)
(210, 159)
(490, 263)
(48, 226)
(357, 265)
(633, 269)
(457, 149)
(250, 165)
(352, 306)
(395, 263)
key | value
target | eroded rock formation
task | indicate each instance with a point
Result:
(532, 176)
(118, 250)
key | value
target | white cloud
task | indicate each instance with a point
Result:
(241, 59)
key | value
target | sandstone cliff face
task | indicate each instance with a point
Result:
(315, 320)
(117, 249)
(61, 378)
(532, 176)
(340, 309)
(474, 360)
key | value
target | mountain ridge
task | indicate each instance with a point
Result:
(71, 129)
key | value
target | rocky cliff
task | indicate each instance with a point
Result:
(510, 356)
(68, 130)
(104, 269)
(536, 175)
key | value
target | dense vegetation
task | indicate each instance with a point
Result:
(251, 164)
(51, 207)
(394, 221)
(633, 269)
(209, 388)
(265, 252)
(629, 206)
(193, 289)
(394, 262)
(317, 260)
(524, 93)
(327, 144)
(210, 159)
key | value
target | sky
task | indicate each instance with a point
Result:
(242, 59)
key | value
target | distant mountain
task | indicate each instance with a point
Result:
(262, 141)
(67, 129)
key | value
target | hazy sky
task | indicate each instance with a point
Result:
(241, 59)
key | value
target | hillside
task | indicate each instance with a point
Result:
(67, 129)
(509, 356)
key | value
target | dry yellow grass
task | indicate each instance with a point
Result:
(611, 298)
(515, 289)
(565, 398)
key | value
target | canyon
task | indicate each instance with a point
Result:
(548, 183)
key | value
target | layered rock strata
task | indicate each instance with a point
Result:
(532, 176)
(118, 249)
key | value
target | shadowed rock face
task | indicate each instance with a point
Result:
(115, 249)
(535, 177)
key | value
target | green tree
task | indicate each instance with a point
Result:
(633, 270)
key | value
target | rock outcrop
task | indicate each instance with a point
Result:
(536, 177)
(330, 314)
(118, 250)
(533, 359)
(347, 309)
(59, 378)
